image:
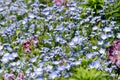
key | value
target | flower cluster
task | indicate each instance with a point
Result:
(11, 76)
(60, 2)
(56, 39)
(114, 53)
(27, 44)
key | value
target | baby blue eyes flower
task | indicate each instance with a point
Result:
(102, 51)
(104, 36)
(76, 63)
(4, 59)
(34, 59)
(1, 47)
(60, 28)
(65, 28)
(107, 29)
(118, 35)
(91, 55)
(95, 28)
(78, 40)
(95, 64)
(56, 62)
(53, 75)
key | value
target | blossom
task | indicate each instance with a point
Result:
(35, 41)
(10, 76)
(27, 46)
(60, 2)
(20, 76)
(114, 53)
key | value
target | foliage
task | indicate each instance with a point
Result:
(113, 11)
(56, 42)
(96, 5)
(81, 73)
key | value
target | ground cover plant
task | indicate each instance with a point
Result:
(59, 40)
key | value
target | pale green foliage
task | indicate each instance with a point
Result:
(85, 74)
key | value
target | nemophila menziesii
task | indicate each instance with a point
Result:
(114, 53)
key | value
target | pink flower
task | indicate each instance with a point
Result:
(20, 76)
(114, 53)
(117, 63)
(27, 42)
(9, 76)
(117, 44)
(58, 2)
(27, 46)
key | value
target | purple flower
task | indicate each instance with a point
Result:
(114, 53)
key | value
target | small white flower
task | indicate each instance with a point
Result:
(60, 28)
(61, 68)
(77, 40)
(100, 42)
(1, 70)
(94, 47)
(11, 57)
(92, 54)
(13, 63)
(53, 75)
(108, 69)
(14, 55)
(18, 63)
(4, 59)
(31, 15)
(68, 66)
(95, 64)
(1, 47)
(102, 51)
(39, 69)
(72, 8)
(56, 62)
(118, 35)
(95, 28)
(77, 63)
(71, 44)
(49, 67)
(58, 38)
(104, 36)
(87, 20)
(33, 59)
(107, 29)
(1, 53)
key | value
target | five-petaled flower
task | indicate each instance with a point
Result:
(114, 53)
